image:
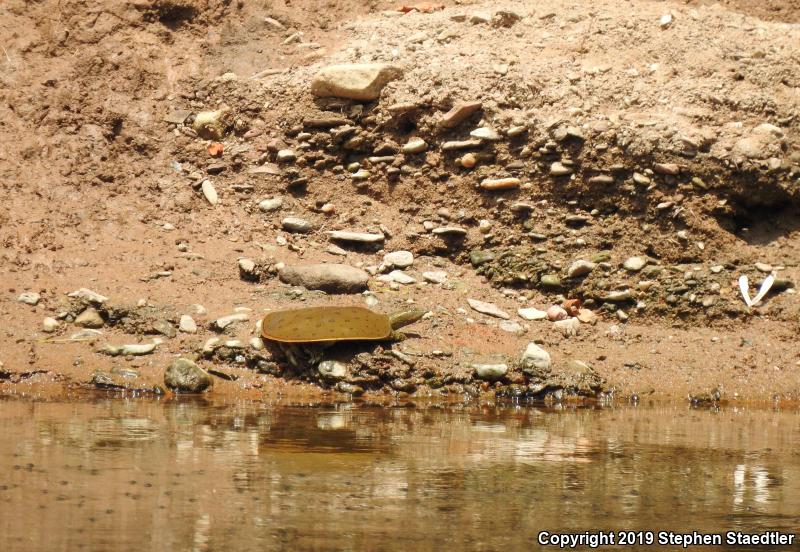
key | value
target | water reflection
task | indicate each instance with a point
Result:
(182, 475)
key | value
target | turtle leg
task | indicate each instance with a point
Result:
(396, 336)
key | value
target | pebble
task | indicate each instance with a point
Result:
(450, 231)
(272, 204)
(484, 226)
(225, 321)
(640, 179)
(88, 295)
(187, 324)
(399, 259)
(489, 309)
(184, 376)
(399, 277)
(666, 168)
(568, 327)
(286, 156)
(209, 192)
(580, 268)
(212, 125)
(556, 313)
(29, 298)
(89, 318)
(49, 325)
(332, 370)
(459, 113)
(500, 183)
(622, 316)
(532, 314)
(618, 296)
(331, 278)
(634, 264)
(296, 225)
(511, 327)
(558, 169)
(360, 174)
(665, 21)
(490, 372)
(415, 145)
(435, 276)
(362, 82)
(764, 267)
(535, 360)
(133, 349)
(357, 237)
(468, 160)
(486, 133)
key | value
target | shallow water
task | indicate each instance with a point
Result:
(117, 474)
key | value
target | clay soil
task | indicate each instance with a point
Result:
(99, 191)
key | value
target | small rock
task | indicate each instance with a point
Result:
(511, 327)
(535, 360)
(331, 278)
(459, 113)
(212, 125)
(286, 156)
(399, 277)
(132, 349)
(399, 259)
(666, 168)
(764, 267)
(49, 325)
(500, 183)
(332, 370)
(89, 318)
(634, 264)
(666, 21)
(184, 376)
(580, 268)
(556, 313)
(356, 237)
(296, 225)
(568, 327)
(468, 160)
(361, 174)
(415, 145)
(762, 143)
(247, 269)
(362, 82)
(532, 314)
(209, 192)
(225, 321)
(478, 257)
(268, 205)
(618, 296)
(187, 324)
(489, 309)
(558, 169)
(435, 276)
(455, 231)
(29, 298)
(490, 372)
(486, 133)
(89, 295)
(586, 316)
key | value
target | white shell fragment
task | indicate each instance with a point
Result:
(744, 287)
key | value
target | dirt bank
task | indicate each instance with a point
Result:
(633, 163)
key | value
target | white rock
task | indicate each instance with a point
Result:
(568, 327)
(134, 349)
(415, 145)
(532, 314)
(272, 204)
(187, 324)
(256, 343)
(634, 264)
(332, 370)
(666, 20)
(89, 295)
(558, 169)
(486, 133)
(29, 298)
(286, 156)
(435, 276)
(580, 268)
(399, 277)
(490, 372)
(49, 325)
(225, 321)
(358, 237)
(211, 345)
(511, 327)
(535, 359)
(398, 259)
(209, 192)
(489, 309)
(296, 225)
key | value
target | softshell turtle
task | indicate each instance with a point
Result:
(302, 334)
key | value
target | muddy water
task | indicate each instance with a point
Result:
(116, 474)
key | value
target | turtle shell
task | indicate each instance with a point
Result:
(315, 324)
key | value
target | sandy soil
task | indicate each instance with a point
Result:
(99, 190)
